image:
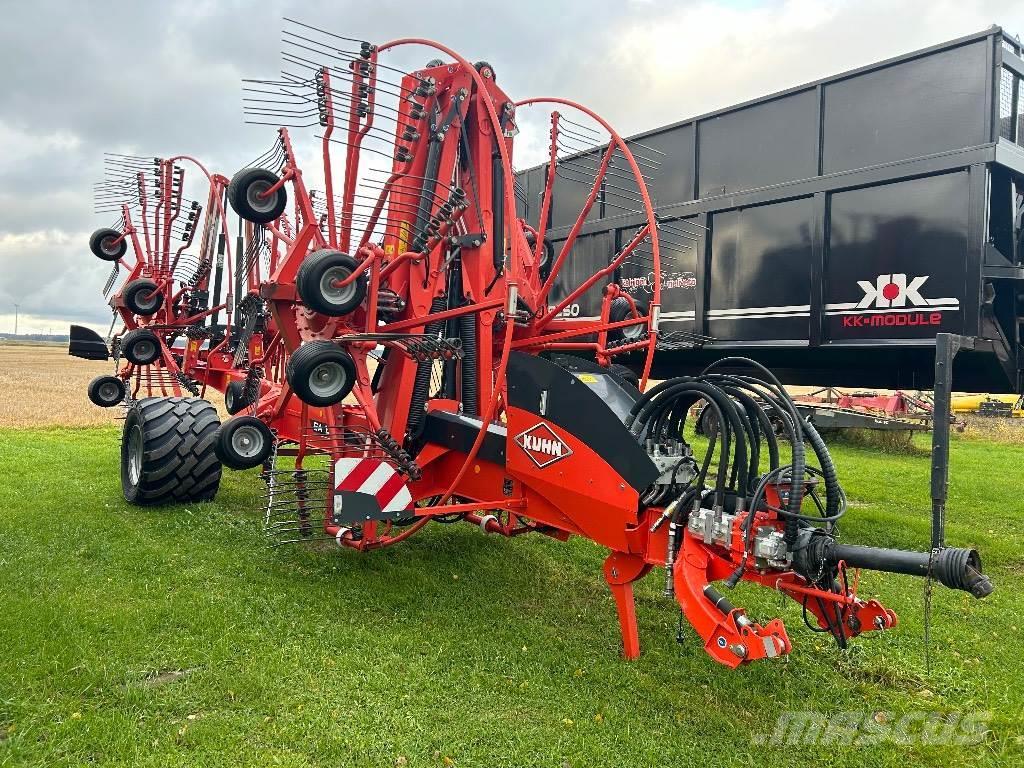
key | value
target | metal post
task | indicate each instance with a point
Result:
(946, 347)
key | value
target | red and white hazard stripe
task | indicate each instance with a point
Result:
(375, 478)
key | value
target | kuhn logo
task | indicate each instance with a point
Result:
(893, 291)
(542, 445)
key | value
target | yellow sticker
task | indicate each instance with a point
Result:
(389, 249)
(403, 235)
(587, 378)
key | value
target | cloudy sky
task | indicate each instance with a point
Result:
(156, 78)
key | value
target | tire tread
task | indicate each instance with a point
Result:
(179, 463)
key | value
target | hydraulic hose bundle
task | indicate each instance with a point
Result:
(747, 513)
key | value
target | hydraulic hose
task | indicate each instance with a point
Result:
(689, 390)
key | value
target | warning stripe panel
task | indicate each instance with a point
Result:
(373, 478)
(387, 492)
(358, 475)
(381, 474)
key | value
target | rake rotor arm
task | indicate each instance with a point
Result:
(545, 207)
(576, 227)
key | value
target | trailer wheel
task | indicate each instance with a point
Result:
(707, 422)
(625, 373)
(235, 398)
(320, 373)
(317, 278)
(167, 451)
(142, 297)
(620, 310)
(141, 346)
(247, 195)
(107, 244)
(243, 442)
(106, 391)
(547, 258)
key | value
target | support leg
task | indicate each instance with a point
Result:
(620, 571)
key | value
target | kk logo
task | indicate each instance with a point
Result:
(542, 445)
(893, 291)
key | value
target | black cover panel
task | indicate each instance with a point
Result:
(87, 344)
(665, 160)
(885, 237)
(619, 395)
(460, 432)
(761, 145)
(679, 252)
(589, 254)
(579, 410)
(359, 507)
(760, 272)
(918, 107)
(574, 179)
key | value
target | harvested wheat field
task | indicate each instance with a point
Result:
(41, 385)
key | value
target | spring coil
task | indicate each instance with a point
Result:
(467, 331)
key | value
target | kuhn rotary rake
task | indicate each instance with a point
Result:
(164, 296)
(409, 357)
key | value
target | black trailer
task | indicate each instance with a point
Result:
(833, 229)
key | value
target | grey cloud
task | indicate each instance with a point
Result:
(159, 78)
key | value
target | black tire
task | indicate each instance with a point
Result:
(625, 373)
(244, 192)
(101, 243)
(321, 373)
(486, 71)
(167, 451)
(243, 442)
(547, 258)
(141, 346)
(235, 399)
(106, 391)
(620, 310)
(142, 297)
(707, 421)
(314, 283)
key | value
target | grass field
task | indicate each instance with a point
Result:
(176, 637)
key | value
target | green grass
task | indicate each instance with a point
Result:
(454, 648)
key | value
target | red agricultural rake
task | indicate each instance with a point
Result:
(165, 294)
(424, 357)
